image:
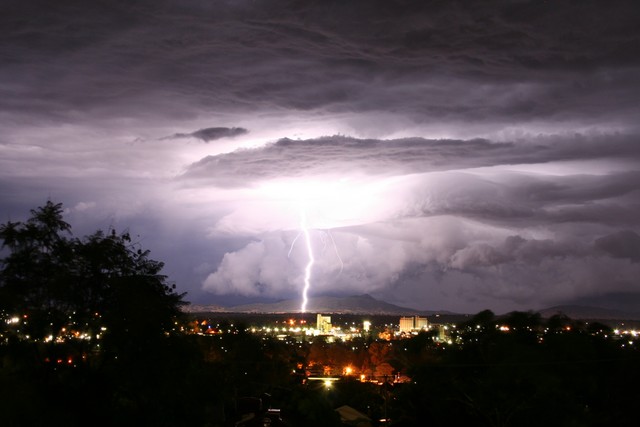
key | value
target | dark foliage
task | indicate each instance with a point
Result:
(556, 374)
(88, 327)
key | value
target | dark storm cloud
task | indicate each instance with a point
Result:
(431, 61)
(514, 249)
(211, 134)
(514, 198)
(503, 82)
(622, 244)
(339, 154)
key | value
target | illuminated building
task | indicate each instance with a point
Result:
(442, 333)
(421, 323)
(408, 324)
(324, 323)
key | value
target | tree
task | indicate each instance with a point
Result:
(32, 275)
(92, 321)
(100, 289)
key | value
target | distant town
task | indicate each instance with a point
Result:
(442, 331)
(332, 350)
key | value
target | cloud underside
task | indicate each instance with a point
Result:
(444, 256)
(498, 62)
(459, 218)
(491, 153)
(338, 155)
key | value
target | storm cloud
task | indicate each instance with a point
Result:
(210, 134)
(622, 244)
(428, 61)
(446, 154)
(339, 154)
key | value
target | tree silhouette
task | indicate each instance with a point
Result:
(101, 283)
(88, 319)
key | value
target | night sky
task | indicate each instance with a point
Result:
(444, 154)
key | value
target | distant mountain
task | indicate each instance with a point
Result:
(203, 308)
(356, 304)
(366, 304)
(587, 312)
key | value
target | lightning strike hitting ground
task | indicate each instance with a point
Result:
(307, 270)
(304, 230)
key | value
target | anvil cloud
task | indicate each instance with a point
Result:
(451, 155)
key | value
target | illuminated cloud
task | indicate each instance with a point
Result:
(337, 155)
(448, 155)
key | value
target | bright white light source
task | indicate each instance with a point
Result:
(331, 203)
(307, 270)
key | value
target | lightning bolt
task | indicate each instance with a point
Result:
(308, 268)
(335, 247)
(293, 244)
(304, 231)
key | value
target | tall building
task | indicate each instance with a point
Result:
(324, 323)
(406, 324)
(443, 333)
(366, 325)
(420, 323)
(415, 323)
